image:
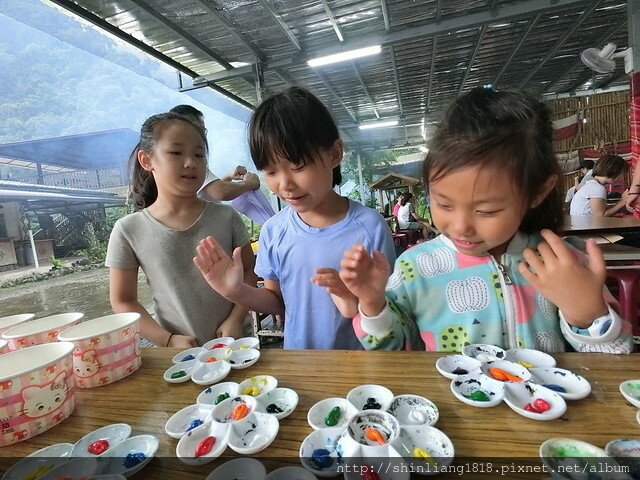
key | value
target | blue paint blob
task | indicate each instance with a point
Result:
(187, 358)
(321, 458)
(133, 459)
(195, 423)
(555, 388)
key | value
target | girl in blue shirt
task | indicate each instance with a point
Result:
(295, 143)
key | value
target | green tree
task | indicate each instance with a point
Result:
(368, 160)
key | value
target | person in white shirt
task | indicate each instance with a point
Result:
(591, 199)
(586, 173)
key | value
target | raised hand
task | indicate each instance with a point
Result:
(366, 277)
(239, 172)
(345, 301)
(560, 276)
(222, 273)
(251, 180)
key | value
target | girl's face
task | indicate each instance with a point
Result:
(306, 187)
(478, 209)
(178, 161)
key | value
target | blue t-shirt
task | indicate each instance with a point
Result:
(290, 251)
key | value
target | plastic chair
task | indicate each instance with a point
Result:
(627, 277)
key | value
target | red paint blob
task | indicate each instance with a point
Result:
(204, 446)
(98, 447)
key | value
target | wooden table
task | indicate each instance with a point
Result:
(581, 224)
(145, 401)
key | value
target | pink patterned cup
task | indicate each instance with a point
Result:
(4, 347)
(36, 390)
(106, 349)
(12, 320)
(40, 330)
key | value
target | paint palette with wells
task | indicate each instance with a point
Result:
(213, 361)
(244, 417)
(373, 424)
(526, 380)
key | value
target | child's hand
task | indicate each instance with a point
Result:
(182, 341)
(366, 277)
(239, 172)
(344, 300)
(251, 180)
(222, 273)
(230, 328)
(562, 279)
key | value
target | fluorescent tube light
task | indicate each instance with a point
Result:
(343, 56)
(384, 123)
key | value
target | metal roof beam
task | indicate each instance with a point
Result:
(438, 11)
(522, 9)
(185, 35)
(365, 89)
(283, 25)
(472, 59)
(216, 11)
(336, 96)
(396, 80)
(333, 21)
(434, 48)
(517, 47)
(602, 41)
(385, 15)
(149, 50)
(392, 52)
(560, 42)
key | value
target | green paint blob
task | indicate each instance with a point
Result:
(333, 416)
(179, 374)
(220, 398)
(478, 396)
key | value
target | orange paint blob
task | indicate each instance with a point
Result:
(374, 435)
(503, 375)
(239, 411)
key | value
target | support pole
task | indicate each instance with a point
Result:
(362, 199)
(33, 249)
(633, 27)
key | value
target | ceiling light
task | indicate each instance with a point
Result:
(343, 56)
(384, 123)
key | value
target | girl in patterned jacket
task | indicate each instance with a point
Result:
(498, 273)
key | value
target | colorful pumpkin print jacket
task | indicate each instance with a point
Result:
(439, 299)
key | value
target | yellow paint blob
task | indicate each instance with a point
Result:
(253, 391)
(38, 472)
(526, 364)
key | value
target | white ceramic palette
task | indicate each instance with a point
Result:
(109, 451)
(213, 361)
(244, 417)
(574, 459)
(630, 390)
(250, 468)
(372, 422)
(527, 380)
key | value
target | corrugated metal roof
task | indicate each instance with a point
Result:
(432, 49)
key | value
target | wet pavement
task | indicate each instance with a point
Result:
(86, 292)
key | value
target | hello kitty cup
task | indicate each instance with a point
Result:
(40, 330)
(4, 346)
(106, 349)
(36, 390)
(13, 320)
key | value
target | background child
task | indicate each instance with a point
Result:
(591, 198)
(168, 166)
(294, 140)
(234, 183)
(491, 277)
